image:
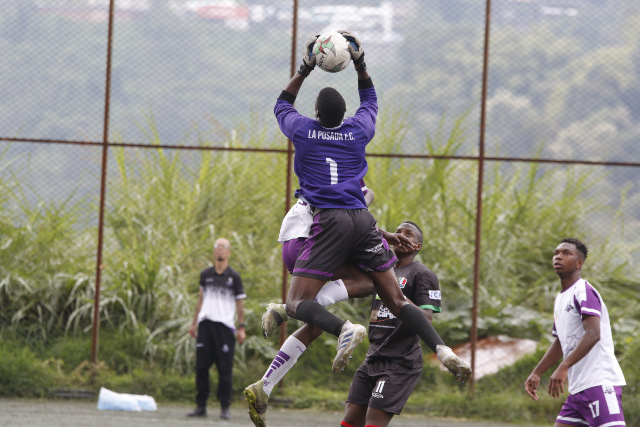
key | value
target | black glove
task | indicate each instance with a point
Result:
(309, 58)
(355, 49)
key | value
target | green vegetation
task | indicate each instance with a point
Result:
(561, 87)
(165, 209)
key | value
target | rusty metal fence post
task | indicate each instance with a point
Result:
(481, 160)
(103, 184)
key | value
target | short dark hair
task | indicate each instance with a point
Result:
(581, 247)
(420, 234)
(331, 107)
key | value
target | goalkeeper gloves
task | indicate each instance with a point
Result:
(355, 49)
(309, 58)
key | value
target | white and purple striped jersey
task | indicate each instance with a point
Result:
(599, 366)
(330, 163)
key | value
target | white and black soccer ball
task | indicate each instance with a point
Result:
(332, 52)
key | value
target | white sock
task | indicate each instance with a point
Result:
(332, 292)
(284, 360)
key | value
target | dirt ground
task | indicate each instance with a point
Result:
(54, 413)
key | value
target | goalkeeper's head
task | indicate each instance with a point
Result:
(330, 107)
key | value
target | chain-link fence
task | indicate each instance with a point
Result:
(134, 132)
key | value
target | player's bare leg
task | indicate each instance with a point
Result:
(301, 306)
(376, 417)
(355, 284)
(354, 414)
(348, 282)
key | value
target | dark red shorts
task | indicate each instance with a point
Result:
(384, 385)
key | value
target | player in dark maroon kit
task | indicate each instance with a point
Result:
(382, 384)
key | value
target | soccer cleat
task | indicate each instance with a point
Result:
(200, 411)
(453, 363)
(350, 336)
(257, 400)
(272, 318)
(225, 414)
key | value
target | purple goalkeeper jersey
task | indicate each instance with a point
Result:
(330, 162)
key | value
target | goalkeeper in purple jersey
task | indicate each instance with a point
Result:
(348, 282)
(330, 162)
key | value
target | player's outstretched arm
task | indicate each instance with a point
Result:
(293, 87)
(357, 54)
(398, 239)
(307, 66)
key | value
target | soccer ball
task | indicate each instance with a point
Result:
(332, 52)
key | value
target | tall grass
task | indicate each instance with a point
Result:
(166, 211)
(43, 262)
(166, 208)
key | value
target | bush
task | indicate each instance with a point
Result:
(22, 374)
(165, 212)
(72, 351)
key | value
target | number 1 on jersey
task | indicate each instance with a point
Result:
(333, 170)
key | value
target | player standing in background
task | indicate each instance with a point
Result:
(220, 301)
(330, 162)
(382, 384)
(583, 338)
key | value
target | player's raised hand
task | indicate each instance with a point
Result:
(355, 49)
(308, 46)
(309, 58)
(398, 240)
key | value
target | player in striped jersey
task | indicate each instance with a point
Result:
(585, 343)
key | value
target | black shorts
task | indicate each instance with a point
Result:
(340, 236)
(384, 385)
